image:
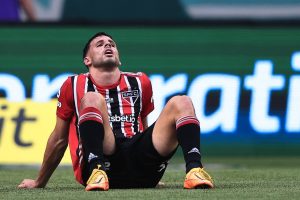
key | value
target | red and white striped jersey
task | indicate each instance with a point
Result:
(128, 102)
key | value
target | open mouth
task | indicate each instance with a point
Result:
(108, 52)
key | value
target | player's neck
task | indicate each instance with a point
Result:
(105, 77)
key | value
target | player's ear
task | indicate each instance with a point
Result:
(87, 61)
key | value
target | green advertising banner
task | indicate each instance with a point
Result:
(26, 51)
(244, 80)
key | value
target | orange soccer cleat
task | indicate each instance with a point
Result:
(97, 181)
(198, 178)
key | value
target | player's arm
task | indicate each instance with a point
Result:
(55, 149)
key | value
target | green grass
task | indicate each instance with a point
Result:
(235, 178)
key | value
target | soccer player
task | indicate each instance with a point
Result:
(102, 115)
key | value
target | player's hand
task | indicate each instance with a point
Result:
(28, 183)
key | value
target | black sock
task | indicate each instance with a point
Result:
(92, 134)
(188, 135)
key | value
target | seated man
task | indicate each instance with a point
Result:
(103, 116)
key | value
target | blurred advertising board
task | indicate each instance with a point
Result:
(155, 11)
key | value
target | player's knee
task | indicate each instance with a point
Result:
(182, 103)
(92, 99)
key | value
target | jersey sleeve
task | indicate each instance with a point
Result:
(65, 108)
(147, 96)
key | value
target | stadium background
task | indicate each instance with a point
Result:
(178, 46)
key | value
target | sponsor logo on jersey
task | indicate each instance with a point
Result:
(123, 118)
(131, 96)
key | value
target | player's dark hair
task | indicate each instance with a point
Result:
(87, 45)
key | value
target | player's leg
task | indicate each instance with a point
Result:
(177, 124)
(96, 138)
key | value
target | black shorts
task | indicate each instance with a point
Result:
(136, 163)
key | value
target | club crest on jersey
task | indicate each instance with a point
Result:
(131, 96)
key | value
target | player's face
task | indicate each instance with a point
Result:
(103, 52)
